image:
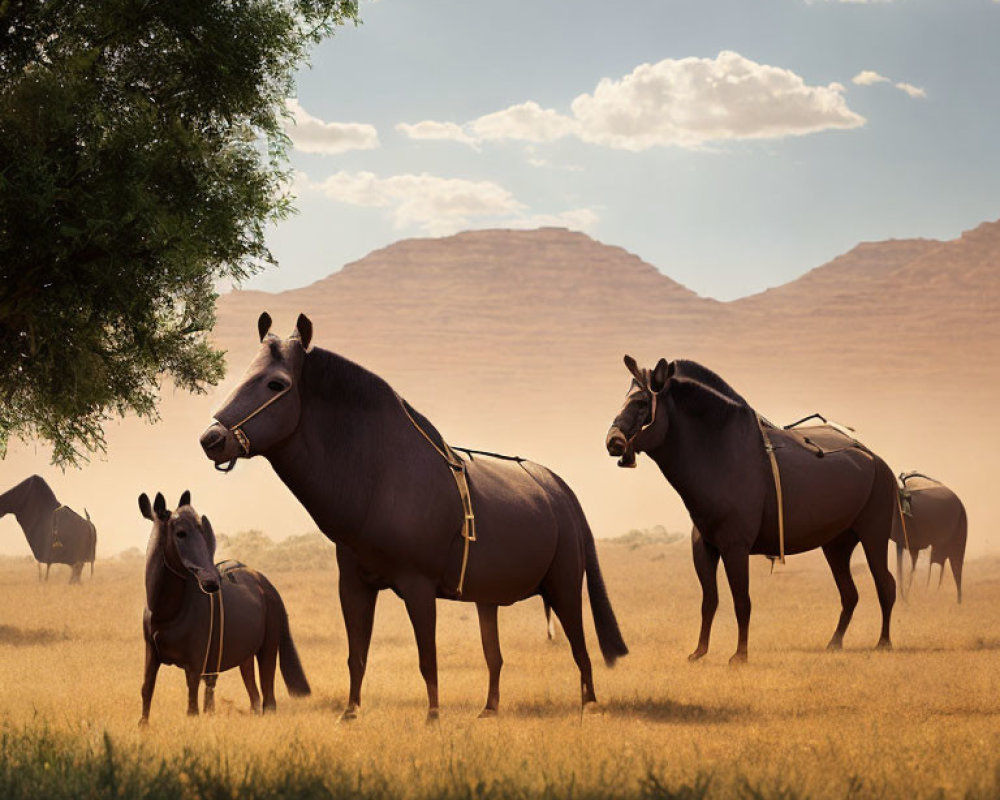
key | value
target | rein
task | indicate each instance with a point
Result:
(241, 435)
(459, 473)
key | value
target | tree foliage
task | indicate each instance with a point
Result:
(141, 159)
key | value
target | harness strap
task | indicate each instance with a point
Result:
(211, 627)
(776, 472)
(902, 521)
(458, 472)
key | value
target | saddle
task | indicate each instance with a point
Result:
(826, 438)
(228, 567)
(906, 493)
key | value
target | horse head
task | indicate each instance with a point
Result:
(185, 539)
(638, 426)
(264, 408)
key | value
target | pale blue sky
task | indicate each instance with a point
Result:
(760, 139)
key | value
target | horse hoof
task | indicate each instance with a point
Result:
(433, 716)
(144, 722)
(738, 659)
(591, 709)
(884, 644)
(697, 655)
(488, 713)
(350, 714)
(835, 645)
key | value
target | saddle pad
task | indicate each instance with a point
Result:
(228, 566)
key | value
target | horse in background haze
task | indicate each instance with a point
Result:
(207, 622)
(712, 448)
(377, 479)
(935, 518)
(55, 533)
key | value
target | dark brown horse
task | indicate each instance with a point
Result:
(207, 622)
(55, 533)
(351, 451)
(707, 442)
(935, 518)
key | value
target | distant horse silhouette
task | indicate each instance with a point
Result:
(55, 533)
(207, 622)
(935, 518)
(709, 444)
(378, 480)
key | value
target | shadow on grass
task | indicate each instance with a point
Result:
(21, 637)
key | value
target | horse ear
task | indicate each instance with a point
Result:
(144, 507)
(303, 331)
(206, 528)
(263, 324)
(662, 373)
(185, 498)
(160, 507)
(633, 368)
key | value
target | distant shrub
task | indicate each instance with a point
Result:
(256, 549)
(640, 537)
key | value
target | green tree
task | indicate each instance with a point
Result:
(141, 158)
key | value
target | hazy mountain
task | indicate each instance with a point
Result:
(512, 341)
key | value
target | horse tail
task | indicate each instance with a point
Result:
(288, 657)
(609, 636)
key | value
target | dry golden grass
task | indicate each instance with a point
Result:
(920, 721)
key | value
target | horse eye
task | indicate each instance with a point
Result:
(181, 534)
(276, 386)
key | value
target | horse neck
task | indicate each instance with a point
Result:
(702, 458)
(33, 512)
(343, 456)
(166, 587)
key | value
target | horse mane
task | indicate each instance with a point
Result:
(332, 377)
(691, 380)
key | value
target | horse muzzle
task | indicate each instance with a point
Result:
(619, 446)
(221, 446)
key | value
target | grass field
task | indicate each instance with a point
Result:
(920, 721)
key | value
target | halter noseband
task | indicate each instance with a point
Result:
(241, 435)
(628, 457)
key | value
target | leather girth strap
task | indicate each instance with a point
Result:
(769, 448)
(458, 472)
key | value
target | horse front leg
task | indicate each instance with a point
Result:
(193, 681)
(209, 704)
(152, 666)
(421, 606)
(490, 634)
(357, 603)
(737, 563)
(706, 563)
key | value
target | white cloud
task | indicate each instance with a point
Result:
(438, 206)
(692, 101)
(312, 135)
(868, 77)
(687, 102)
(911, 90)
(428, 129)
(527, 122)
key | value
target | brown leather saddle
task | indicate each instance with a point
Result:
(825, 438)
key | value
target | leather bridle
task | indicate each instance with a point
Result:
(628, 457)
(241, 435)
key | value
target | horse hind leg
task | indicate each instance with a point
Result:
(706, 565)
(267, 665)
(568, 606)
(250, 682)
(838, 556)
(193, 680)
(885, 586)
(489, 631)
(209, 704)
